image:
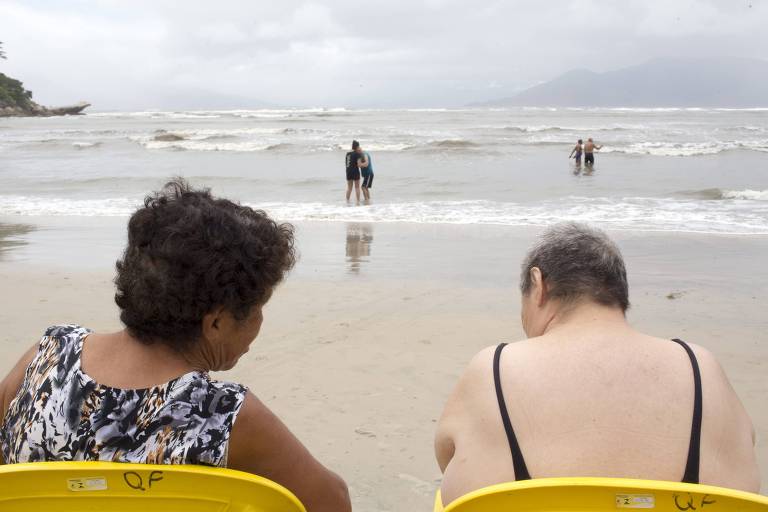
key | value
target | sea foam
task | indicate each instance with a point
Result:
(746, 213)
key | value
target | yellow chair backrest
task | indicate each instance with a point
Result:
(603, 494)
(115, 487)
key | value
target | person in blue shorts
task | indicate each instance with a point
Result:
(576, 153)
(366, 169)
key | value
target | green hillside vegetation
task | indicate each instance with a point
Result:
(16, 101)
(13, 94)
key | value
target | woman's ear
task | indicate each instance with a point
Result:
(211, 324)
(538, 287)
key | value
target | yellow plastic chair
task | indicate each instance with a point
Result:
(603, 494)
(115, 487)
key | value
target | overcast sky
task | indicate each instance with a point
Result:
(225, 54)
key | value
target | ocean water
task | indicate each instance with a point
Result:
(668, 170)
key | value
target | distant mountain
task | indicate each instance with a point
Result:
(711, 82)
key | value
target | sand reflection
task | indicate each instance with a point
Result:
(359, 240)
(12, 236)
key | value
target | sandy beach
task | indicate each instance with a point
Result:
(363, 343)
(645, 119)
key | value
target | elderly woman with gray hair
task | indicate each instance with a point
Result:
(586, 394)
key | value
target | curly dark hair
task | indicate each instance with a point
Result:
(189, 253)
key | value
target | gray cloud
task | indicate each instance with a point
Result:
(195, 54)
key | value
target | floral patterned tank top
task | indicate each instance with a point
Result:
(61, 414)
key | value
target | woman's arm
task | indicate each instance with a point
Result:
(11, 384)
(261, 444)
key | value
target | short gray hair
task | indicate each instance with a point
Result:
(578, 261)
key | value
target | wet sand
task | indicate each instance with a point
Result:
(13, 236)
(362, 344)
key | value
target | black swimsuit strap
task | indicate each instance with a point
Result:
(521, 471)
(691, 475)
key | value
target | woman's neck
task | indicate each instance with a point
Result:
(122, 361)
(586, 315)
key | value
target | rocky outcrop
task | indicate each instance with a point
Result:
(35, 110)
(15, 101)
(164, 136)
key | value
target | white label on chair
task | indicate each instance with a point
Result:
(87, 484)
(635, 501)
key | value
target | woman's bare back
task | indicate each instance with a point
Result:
(586, 402)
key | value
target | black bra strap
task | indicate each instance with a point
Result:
(521, 471)
(691, 475)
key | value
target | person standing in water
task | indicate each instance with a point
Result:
(577, 151)
(366, 169)
(589, 152)
(353, 170)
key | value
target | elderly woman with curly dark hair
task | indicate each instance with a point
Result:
(190, 287)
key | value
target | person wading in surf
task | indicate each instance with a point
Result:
(352, 163)
(589, 152)
(366, 169)
(577, 150)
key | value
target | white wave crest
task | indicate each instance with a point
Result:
(57, 206)
(85, 145)
(686, 148)
(753, 195)
(382, 146)
(265, 113)
(204, 145)
(155, 115)
(573, 128)
(631, 214)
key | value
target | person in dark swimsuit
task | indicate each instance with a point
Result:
(589, 152)
(586, 394)
(691, 473)
(352, 164)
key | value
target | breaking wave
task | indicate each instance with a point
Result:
(685, 148)
(714, 194)
(752, 195)
(735, 216)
